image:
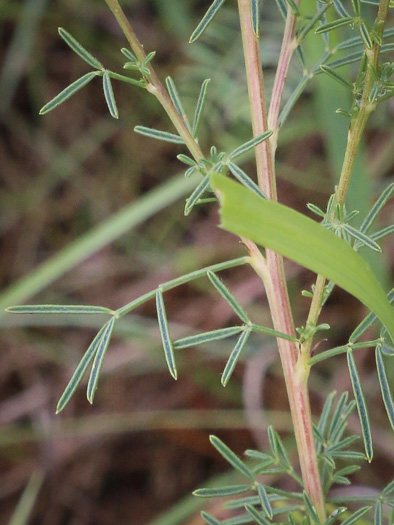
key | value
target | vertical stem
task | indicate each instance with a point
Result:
(366, 107)
(289, 45)
(254, 74)
(356, 130)
(271, 270)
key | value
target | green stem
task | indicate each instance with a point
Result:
(356, 130)
(365, 109)
(154, 86)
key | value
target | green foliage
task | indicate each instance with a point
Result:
(329, 249)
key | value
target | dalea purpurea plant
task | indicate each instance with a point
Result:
(328, 246)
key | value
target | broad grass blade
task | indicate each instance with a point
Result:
(234, 356)
(206, 20)
(200, 107)
(303, 240)
(228, 296)
(68, 92)
(222, 491)
(99, 359)
(109, 95)
(232, 458)
(385, 386)
(361, 405)
(80, 371)
(165, 334)
(58, 309)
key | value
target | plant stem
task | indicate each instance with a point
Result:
(365, 109)
(289, 45)
(154, 85)
(254, 74)
(271, 269)
(356, 130)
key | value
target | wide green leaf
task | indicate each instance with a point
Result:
(303, 240)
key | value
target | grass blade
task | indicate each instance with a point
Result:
(80, 371)
(361, 405)
(303, 240)
(200, 107)
(245, 180)
(256, 515)
(228, 296)
(234, 356)
(384, 386)
(68, 92)
(159, 135)
(58, 309)
(165, 334)
(206, 337)
(206, 20)
(79, 50)
(222, 491)
(109, 95)
(229, 456)
(250, 144)
(265, 503)
(99, 359)
(255, 16)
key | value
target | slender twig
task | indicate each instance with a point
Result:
(271, 269)
(356, 130)
(365, 108)
(154, 85)
(289, 45)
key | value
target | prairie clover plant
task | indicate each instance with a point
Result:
(249, 209)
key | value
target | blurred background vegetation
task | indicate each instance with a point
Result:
(93, 214)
